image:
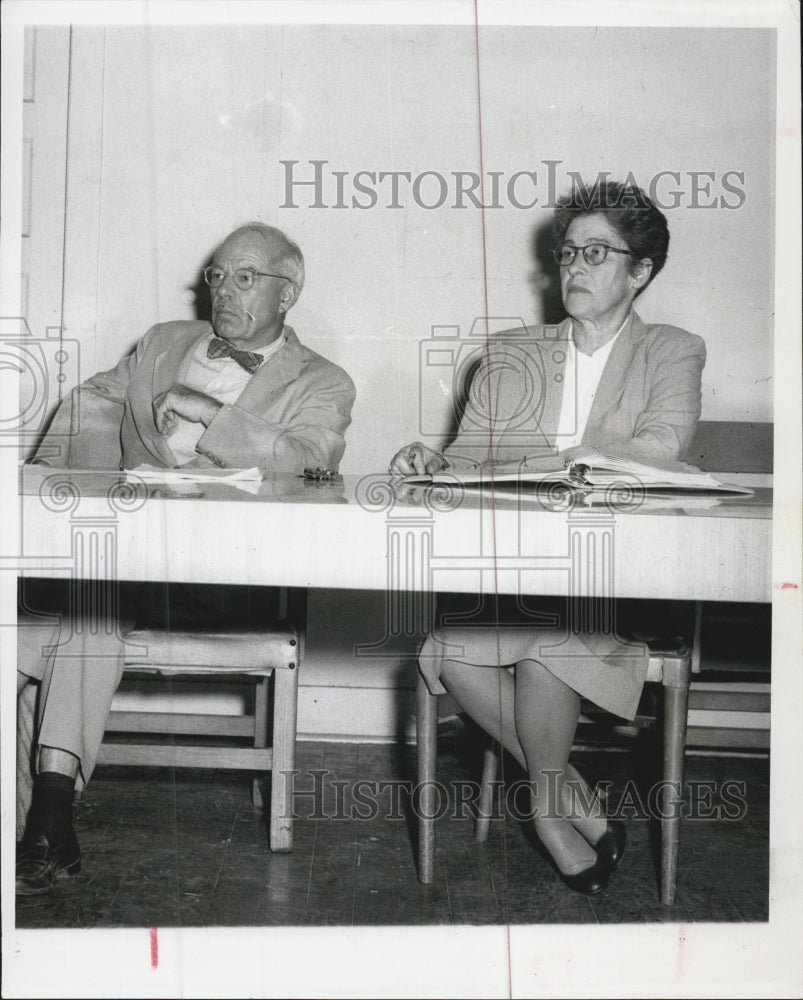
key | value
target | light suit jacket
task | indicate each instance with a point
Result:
(292, 413)
(646, 407)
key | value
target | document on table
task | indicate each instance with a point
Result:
(244, 479)
(591, 473)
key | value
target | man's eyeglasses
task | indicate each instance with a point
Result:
(244, 277)
(593, 253)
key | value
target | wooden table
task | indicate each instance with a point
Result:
(367, 533)
(372, 533)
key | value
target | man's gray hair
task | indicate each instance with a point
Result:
(284, 256)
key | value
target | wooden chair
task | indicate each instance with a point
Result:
(671, 668)
(274, 651)
(718, 447)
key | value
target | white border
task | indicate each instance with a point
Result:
(636, 960)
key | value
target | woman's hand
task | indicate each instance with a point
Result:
(416, 459)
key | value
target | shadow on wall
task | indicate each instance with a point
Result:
(200, 289)
(544, 281)
(544, 277)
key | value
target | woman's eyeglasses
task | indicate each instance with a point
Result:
(593, 253)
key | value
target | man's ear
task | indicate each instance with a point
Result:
(288, 297)
(641, 272)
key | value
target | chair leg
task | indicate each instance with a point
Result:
(676, 678)
(426, 725)
(698, 628)
(285, 705)
(260, 733)
(490, 766)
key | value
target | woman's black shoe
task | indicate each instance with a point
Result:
(591, 880)
(611, 845)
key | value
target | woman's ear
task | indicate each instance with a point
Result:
(641, 272)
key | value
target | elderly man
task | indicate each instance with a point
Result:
(238, 393)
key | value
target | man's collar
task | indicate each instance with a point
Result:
(266, 352)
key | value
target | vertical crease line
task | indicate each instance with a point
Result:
(98, 250)
(65, 200)
(493, 501)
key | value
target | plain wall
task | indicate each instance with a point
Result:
(176, 135)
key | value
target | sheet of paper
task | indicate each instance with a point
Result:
(242, 479)
(153, 474)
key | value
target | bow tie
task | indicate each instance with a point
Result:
(219, 348)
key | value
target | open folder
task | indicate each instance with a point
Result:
(590, 473)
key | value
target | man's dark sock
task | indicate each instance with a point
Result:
(51, 806)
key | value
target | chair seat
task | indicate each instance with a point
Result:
(238, 652)
(660, 653)
(274, 650)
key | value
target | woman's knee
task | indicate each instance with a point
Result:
(531, 670)
(459, 673)
(452, 670)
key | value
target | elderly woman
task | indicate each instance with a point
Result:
(624, 388)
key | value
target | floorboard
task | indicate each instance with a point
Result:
(186, 848)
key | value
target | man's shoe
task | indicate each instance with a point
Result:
(39, 864)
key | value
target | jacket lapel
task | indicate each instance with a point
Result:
(616, 371)
(554, 352)
(172, 366)
(542, 379)
(275, 375)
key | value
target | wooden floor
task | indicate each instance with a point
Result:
(186, 848)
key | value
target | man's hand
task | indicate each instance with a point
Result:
(416, 459)
(179, 401)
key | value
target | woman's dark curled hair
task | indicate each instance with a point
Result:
(628, 209)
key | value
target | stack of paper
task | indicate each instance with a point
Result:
(244, 479)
